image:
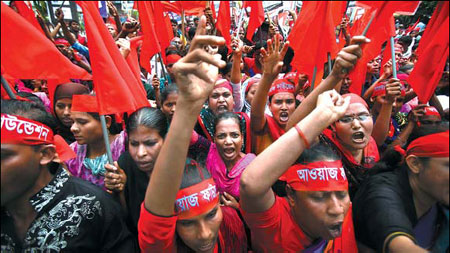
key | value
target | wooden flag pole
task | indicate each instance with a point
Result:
(106, 139)
(313, 78)
(8, 89)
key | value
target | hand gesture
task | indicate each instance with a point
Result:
(332, 104)
(59, 15)
(393, 89)
(227, 200)
(155, 82)
(273, 57)
(115, 178)
(346, 59)
(130, 26)
(237, 46)
(416, 114)
(112, 9)
(196, 73)
(124, 47)
(387, 68)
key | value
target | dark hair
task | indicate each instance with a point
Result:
(192, 32)
(225, 70)
(114, 128)
(225, 116)
(73, 21)
(150, 118)
(167, 91)
(392, 159)
(193, 173)
(406, 67)
(30, 96)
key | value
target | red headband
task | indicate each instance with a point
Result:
(291, 77)
(281, 85)
(355, 99)
(250, 83)
(433, 145)
(380, 90)
(196, 200)
(61, 41)
(223, 83)
(432, 111)
(172, 59)
(20, 130)
(317, 176)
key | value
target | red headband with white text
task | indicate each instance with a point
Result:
(196, 200)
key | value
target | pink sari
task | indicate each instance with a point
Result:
(226, 181)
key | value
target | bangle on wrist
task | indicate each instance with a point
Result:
(302, 136)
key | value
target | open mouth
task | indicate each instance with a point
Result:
(222, 108)
(358, 137)
(229, 152)
(335, 230)
(284, 117)
(206, 247)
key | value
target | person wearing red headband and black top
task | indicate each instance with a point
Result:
(316, 215)
(198, 222)
(404, 208)
(45, 211)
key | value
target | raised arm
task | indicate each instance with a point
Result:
(273, 62)
(386, 74)
(67, 34)
(263, 172)
(195, 75)
(346, 59)
(235, 79)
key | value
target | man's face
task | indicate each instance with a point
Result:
(373, 66)
(19, 172)
(66, 51)
(74, 26)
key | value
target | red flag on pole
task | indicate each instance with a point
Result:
(439, 16)
(113, 79)
(28, 13)
(163, 26)
(428, 70)
(27, 54)
(256, 17)
(150, 44)
(387, 50)
(191, 8)
(313, 36)
(224, 21)
(132, 58)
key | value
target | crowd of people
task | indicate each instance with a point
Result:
(238, 152)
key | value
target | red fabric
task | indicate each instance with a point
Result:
(371, 154)
(132, 58)
(356, 99)
(150, 44)
(256, 17)
(378, 33)
(113, 79)
(317, 176)
(251, 82)
(172, 59)
(84, 103)
(387, 55)
(275, 230)
(213, 9)
(20, 130)
(433, 53)
(28, 54)
(192, 8)
(431, 111)
(61, 41)
(274, 129)
(224, 21)
(28, 13)
(196, 199)
(433, 145)
(163, 26)
(412, 27)
(281, 85)
(380, 90)
(313, 36)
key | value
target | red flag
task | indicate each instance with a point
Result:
(213, 9)
(387, 54)
(428, 70)
(163, 26)
(28, 13)
(313, 36)
(439, 16)
(115, 85)
(27, 54)
(378, 33)
(224, 21)
(256, 17)
(132, 58)
(191, 8)
(411, 27)
(150, 44)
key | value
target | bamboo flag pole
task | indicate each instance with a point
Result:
(8, 89)
(106, 139)
(313, 78)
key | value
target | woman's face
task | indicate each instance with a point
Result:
(200, 233)
(282, 106)
(169, 105)
(85, 128)
(251, 93)
(221, 100)
(433, 179)
(62, 111)
(228, 139)
(144, 146)
(355, 128)
(320, 214)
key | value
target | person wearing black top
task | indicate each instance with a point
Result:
(404, 206)
(41, 211)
